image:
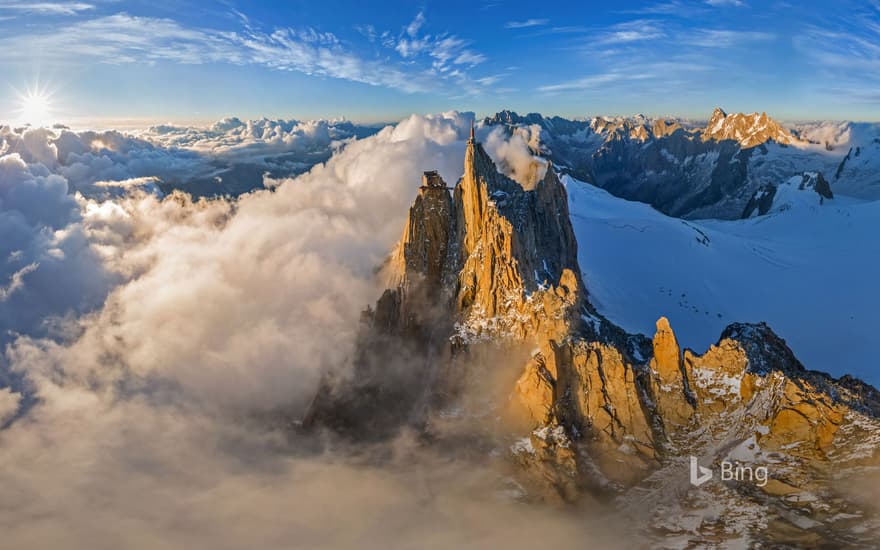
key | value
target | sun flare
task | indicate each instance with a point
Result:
(35, 108)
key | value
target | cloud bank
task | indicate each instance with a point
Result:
(159, 412)
(47, 264)
(229, 157)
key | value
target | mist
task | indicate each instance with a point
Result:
(170, 343)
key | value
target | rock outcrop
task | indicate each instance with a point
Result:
(774, 198)
(421, 253)
(817, 182)
(491, 272)
(672, 383)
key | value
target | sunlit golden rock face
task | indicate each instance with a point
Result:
(491, 271)
(750, 130)
(510, 242)
(663, 128)
(791, 406)
(423, 248)
(671, 384)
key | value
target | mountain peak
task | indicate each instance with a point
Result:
(499, 222)
(493, 272)
(749, 130)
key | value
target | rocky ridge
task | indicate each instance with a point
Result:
(749, 130)
(680, 168)
(487, 280)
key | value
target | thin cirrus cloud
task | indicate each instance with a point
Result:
(845, 57)
(47, 8)
(673, 7)
(715, 38)
(526, 23)
(632, 31)
(595, 81)
(633, 77)
(448, 53)
(123, 38)
(673, 55)
(685, 8)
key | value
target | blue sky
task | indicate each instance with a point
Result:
(163, 60)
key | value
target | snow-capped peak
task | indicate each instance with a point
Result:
(749, 130)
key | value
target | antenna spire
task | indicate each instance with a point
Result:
(472, 131)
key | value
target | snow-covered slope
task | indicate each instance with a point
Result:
(810, 270)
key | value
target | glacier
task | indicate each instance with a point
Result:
(809, 268)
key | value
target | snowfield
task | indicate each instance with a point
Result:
(810, 270)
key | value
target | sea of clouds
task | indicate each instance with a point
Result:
(156, 346)
(170, 299)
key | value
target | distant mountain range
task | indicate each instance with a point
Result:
(714, 171)
(726, 168)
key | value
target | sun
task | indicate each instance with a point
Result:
(35, 108)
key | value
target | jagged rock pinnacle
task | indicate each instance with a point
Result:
(749, 130)
(495, 268)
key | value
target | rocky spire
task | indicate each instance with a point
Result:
(472, 193)
(674, 400)
(500, 226)
(495, 268)
(420, 256)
